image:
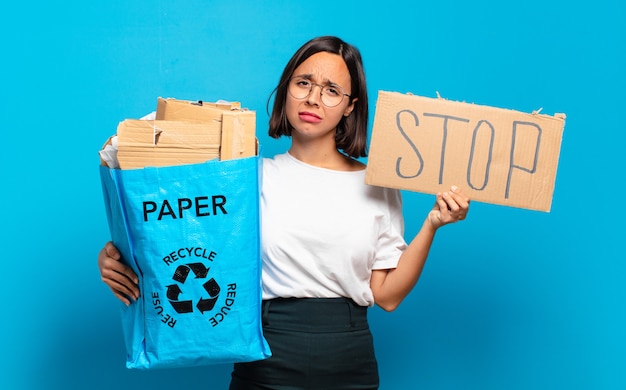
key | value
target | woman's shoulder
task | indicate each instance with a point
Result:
(277, 163)
(275, 160)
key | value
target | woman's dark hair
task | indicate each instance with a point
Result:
(351, 134)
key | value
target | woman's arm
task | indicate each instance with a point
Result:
(391, 286)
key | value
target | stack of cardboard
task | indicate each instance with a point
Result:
(186, 132)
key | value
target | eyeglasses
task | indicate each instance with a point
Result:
(331, 95)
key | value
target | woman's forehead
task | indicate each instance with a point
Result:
(324, 67)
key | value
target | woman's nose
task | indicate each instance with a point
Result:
(314, 96)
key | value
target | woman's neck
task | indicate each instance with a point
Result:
(324, 157)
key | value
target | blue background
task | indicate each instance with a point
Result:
(509, 299)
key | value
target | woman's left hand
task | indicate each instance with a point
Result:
(450, 206)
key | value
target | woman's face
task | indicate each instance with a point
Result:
(309, 116)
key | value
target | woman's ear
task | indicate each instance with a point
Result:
(350, 107)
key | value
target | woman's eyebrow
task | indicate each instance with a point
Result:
(309, 76)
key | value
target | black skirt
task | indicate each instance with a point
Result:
(316, 343)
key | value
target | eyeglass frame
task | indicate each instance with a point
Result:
(322, 86)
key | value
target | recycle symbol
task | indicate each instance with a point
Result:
(200, 272)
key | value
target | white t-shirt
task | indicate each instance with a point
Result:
(323, 231)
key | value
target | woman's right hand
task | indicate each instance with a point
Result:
(120, 278)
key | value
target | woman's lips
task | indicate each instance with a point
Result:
(309, 117)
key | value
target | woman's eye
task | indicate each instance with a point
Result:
(332, 91)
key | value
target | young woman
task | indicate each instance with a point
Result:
(332, 246)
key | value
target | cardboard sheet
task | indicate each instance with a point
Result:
(158, 143)
(496, 155)
(238, 125)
